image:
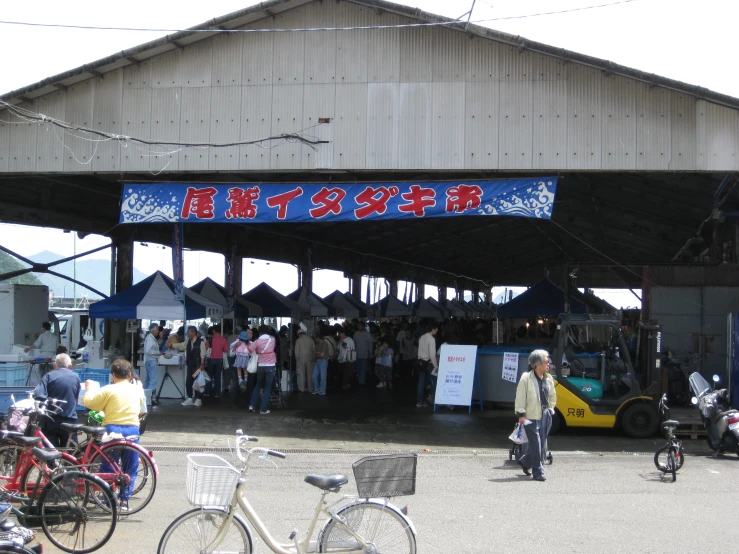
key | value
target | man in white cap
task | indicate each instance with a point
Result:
(305, 356)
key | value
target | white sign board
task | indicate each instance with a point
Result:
(456, 375)
(510, 366)
(132, 326)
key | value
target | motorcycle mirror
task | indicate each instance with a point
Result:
(716, 378)
(694, 401)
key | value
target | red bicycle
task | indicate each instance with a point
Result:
(127, 467)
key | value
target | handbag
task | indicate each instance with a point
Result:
(251, 367)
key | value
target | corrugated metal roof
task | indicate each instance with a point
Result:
(273, 8)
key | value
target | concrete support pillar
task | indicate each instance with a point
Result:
(488, 297)
(394, 287)
(124, 264)
(442, 294)
(420, 290)
(356, 286)
(306, 277)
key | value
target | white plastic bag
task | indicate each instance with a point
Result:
(199, 384)
(519, 435)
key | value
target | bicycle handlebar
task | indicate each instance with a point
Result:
(241, 438)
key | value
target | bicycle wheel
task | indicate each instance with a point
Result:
(10, 548)
(30, 476)
(380, 526)
(143, 479)
(9, 456)
(194, 531)
(663, 462)
(70, 514)
(673, 462)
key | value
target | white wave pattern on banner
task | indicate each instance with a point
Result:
(535, 202)
(137, 208)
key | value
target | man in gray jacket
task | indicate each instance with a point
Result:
(365, 352)
(535, 400)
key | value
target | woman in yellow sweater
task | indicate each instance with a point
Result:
(122, 404)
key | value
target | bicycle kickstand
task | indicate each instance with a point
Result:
(294, 538)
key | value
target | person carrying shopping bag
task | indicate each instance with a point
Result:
(264, 348)
(536, 398)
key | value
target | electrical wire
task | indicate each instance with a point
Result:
(311, 29)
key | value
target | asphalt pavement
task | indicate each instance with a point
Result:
(479, 503)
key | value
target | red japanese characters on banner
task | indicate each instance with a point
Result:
(418, 199)
(462, 198)
(199, 202)
(329, 201)
(280, 201)
(373, 201)
(243, 203)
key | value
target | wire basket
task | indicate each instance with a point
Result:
(211, 480)
(386, 476)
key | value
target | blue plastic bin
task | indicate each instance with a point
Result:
(13, 375)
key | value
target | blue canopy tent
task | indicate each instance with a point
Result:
(390, 306)
(362, 306)
(273, 303)
(211, 290)
(544, 299)
(311, 303)
(427, 308)
(153, 298)
(343, 306)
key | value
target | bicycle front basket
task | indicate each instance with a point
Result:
(386, 476)
(211, 480)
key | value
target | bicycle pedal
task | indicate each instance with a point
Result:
(293, 534)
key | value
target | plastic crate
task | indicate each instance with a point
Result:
(13, 375)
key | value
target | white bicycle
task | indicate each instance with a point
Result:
(362, 524)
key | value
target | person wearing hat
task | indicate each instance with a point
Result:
(151, 360)
(305, 356)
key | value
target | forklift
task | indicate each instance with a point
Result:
(596, 382)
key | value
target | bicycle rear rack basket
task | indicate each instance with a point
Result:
(386, 476)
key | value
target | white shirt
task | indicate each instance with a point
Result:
(345, 346)
(151, 348)
(427, 349)
(47, 343)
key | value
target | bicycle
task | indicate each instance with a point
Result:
(669, 458)
(76, 510)
(113, 456)
(362, 524)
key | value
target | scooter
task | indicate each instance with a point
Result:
(719, 419)
(14, 538)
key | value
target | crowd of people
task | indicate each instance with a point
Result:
(244, 365)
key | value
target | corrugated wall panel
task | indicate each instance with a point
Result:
(352, 48)
(320, 47)
(447, 147)
(652, 127)
(550, 124)
(78, 111)
(165, 71)
(449, 54)
(383, 64)
(49, 147)
(257, 54)
(482, 116)
(319, 101)
(22, 149)
(106, 115)
(227, 60)
(414, 134)
(618, 131)
(548, 68)
(4, 141)
(136, 120)
(195, 119)
(584, 91)
(350, 126)
(383, 124)
(683, 124)
(718, 129)
(287, 117)
(225, 127)
(137, 75)
(196, 63)
(515, 64)
(416, 54)
(482, 60)
(288, 59)
(515, 138)
(256, 123)
(166, 105)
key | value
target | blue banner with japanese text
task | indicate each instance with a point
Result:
(269, 203)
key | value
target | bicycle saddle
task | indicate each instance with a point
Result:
(326, 482)
(72, 426)
(25, 441)
(670, 423)
(93, 430)
(46, 455)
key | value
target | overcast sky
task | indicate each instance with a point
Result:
(685, 40)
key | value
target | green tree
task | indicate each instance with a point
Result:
(8, 263)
